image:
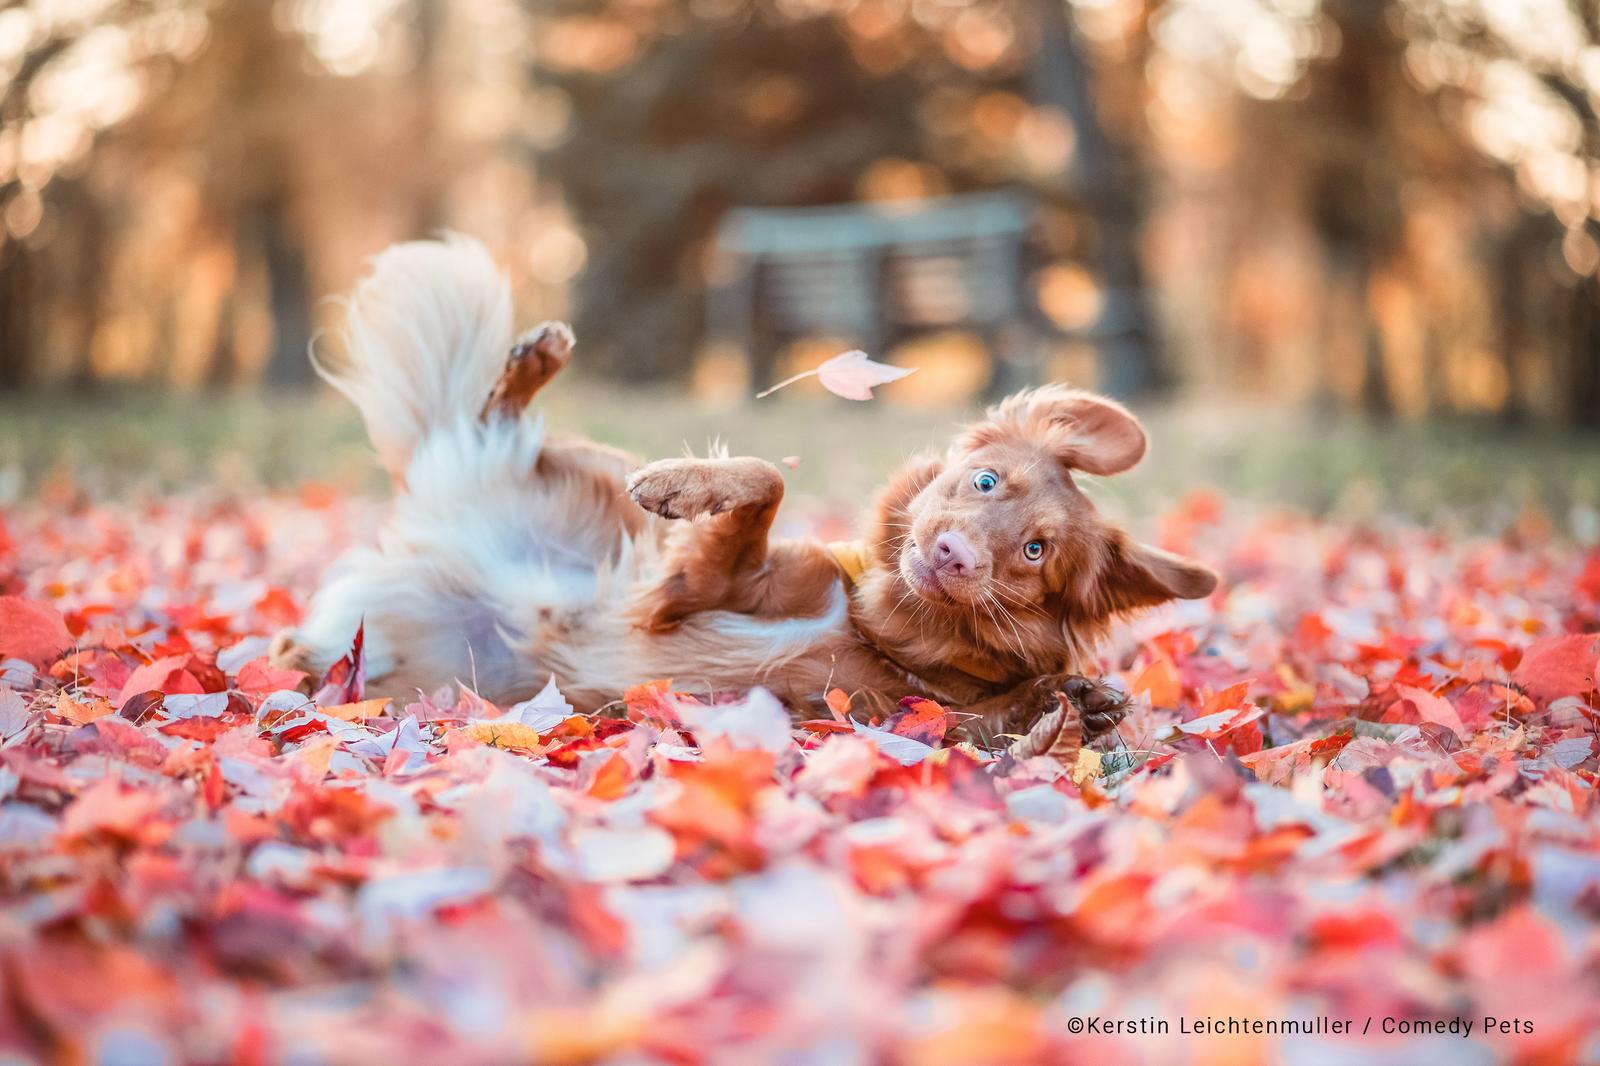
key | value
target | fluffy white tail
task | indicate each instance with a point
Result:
(425, 338)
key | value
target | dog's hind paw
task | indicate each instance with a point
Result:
(536, 357)
(692, 488)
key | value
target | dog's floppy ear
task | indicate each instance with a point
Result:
(1137, 575)
(1094, 434)
(1088, 432)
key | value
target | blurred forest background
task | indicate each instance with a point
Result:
(1380, 206)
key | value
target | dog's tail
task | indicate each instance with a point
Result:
(425, 339)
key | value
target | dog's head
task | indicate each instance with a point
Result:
(1004, 522)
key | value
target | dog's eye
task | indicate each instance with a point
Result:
(985, 480)
(1034, 550)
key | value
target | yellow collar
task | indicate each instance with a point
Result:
(851, 555)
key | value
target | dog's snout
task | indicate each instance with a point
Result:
(953, 555)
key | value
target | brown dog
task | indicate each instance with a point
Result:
(985, 578)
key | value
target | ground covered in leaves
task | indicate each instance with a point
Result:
(1363, 796)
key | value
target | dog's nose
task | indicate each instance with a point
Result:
(953, 555)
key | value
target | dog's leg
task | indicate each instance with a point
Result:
(694, 488)
(723, 562)
(1100, 708)
(536, 357)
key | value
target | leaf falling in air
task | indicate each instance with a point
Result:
(849, 374)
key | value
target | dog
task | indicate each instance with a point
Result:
(984, 579)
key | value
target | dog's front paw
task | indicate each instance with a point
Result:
(1069, 711)
(691, 488)
(1099, 707)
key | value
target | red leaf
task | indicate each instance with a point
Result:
(1559, 666)
(138, 708)
(346, 679)
(258, 677)
(31, 630)
(164, 675)
(919, 719)
(826, 725)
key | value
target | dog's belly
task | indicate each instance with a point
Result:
(598, 656)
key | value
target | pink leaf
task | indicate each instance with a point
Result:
(852, 375)
(1431, 708)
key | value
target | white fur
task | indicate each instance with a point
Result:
(486, 572)
(426, 335)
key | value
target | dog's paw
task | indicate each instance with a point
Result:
(536, 357)
(549, 345)
(1068, 712)
(1099, 707)
(692, 488)
(678, 488)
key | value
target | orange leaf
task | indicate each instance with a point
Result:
(359, 711)
(82, 708)
(611, 779)
(504, 734)
(1160, 680)
(652, 699)
(919, 719)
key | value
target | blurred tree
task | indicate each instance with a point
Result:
(1110, 187)
(679, 112)
(1441, 157)
(1527, 83)
(178, 176)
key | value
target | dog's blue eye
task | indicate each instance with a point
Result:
(985, 480)
(1034, 550)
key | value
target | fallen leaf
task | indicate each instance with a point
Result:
(1559, 666)
(82, 707)
(32, 631)
(359, 711)
(164, 675)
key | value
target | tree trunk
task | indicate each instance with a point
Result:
(288, 293)
(1511, 325)
(1583, 356)
(430, 79)
(17, 340)
(1058, 77)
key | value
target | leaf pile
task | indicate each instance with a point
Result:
(1363, 786)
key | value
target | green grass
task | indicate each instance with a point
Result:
(117, 444)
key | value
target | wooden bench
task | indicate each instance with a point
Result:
(878, 276)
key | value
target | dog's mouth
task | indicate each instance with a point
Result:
(923, 579)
